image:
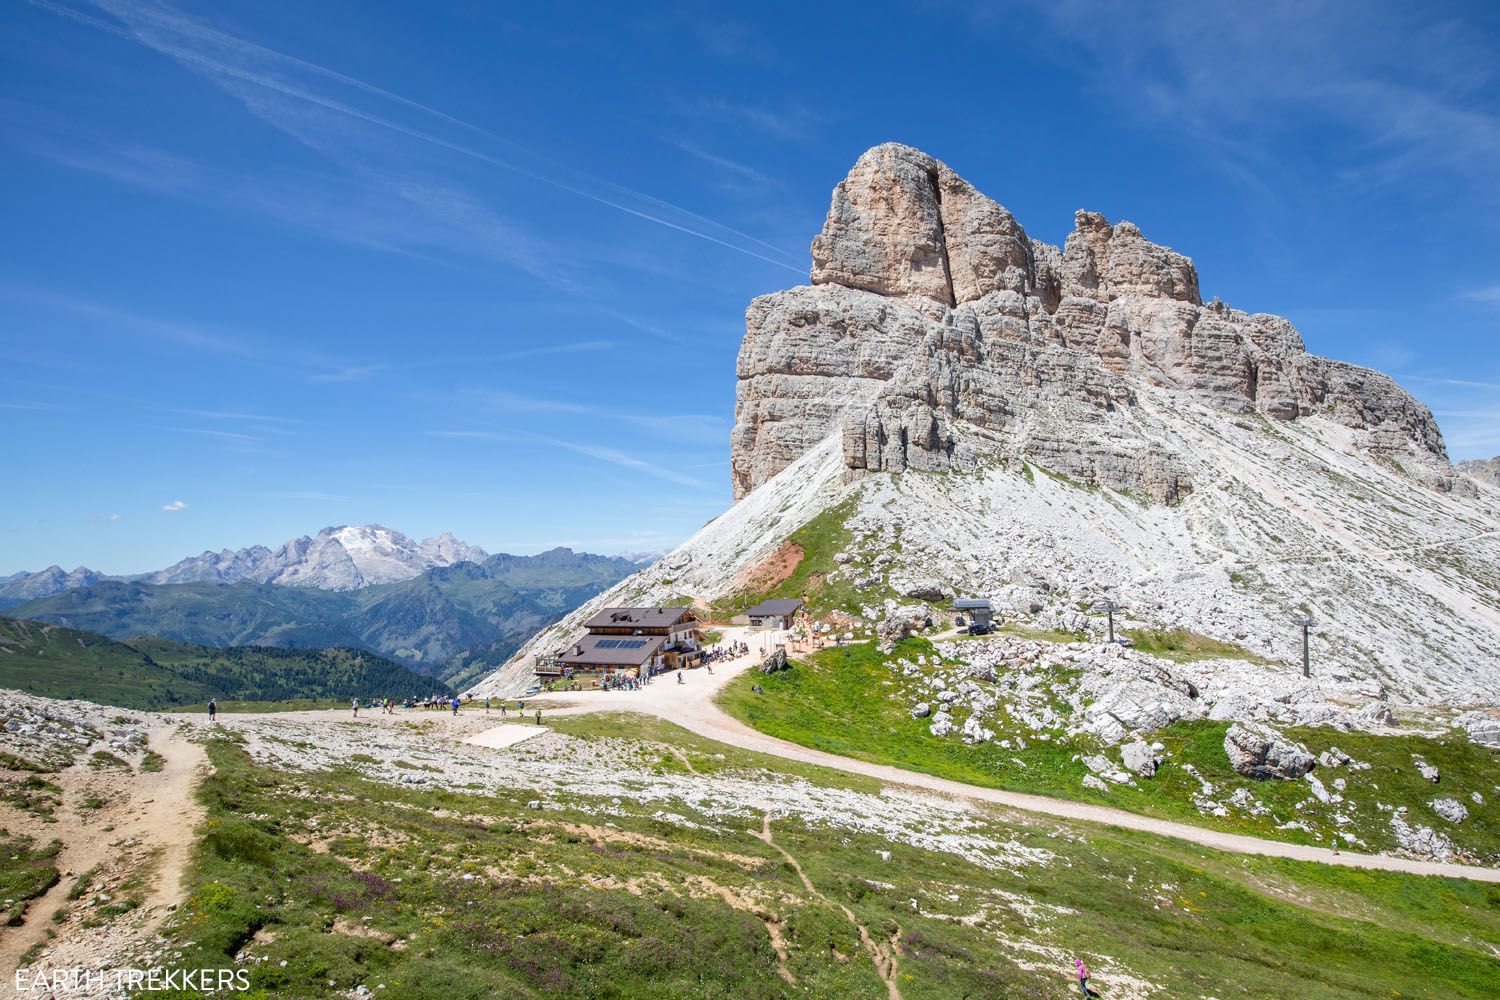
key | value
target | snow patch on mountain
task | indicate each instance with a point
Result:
(346, 557)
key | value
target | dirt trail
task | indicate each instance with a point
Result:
(883, 955)
(144, 831)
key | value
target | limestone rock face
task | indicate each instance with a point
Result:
(936, 333)
(1262, 753)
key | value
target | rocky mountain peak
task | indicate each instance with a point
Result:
(936, 334)
(1484, 470)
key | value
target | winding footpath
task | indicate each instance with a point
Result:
(693, 706)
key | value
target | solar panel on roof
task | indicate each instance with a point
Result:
(607, 644)
(632, 643)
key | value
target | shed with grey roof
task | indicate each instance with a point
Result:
(775, 613)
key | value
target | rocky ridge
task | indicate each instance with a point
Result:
(1485, 470)
(937, 334)
(1173, 489)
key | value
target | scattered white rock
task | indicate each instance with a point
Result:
(1451, 810)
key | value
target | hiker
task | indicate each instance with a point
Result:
(539, 716)
(502, 708)
(213, 709)
(355, 703)
(679, 676)
(455, 704)
(486, 704)
(1083, 978)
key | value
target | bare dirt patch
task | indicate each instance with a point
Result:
(776, 568)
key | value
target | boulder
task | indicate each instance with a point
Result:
(974, 731)
(1105, 768)
(921, 710)
(1333, 757)
(1261, 753)
(926, 590)
(1451, 810)
(942, 724)
(1139, 758)
(899, 624)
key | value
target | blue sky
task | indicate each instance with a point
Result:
(483, 267)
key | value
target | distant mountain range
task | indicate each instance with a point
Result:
(58, 662)
(339, 558)
(1486, 470)
(423, 603)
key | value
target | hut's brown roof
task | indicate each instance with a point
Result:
(637, 618)
(612, 650)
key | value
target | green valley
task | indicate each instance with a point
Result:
(152, 673)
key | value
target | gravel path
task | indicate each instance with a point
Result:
(692, 706)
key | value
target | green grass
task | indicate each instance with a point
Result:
(152, 762)
(26, 872)
(1181, 646)
(844, 701)
(383, 902)
(821, 539)
(101, 760)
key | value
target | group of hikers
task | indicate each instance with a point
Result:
(725, 652)
(388, 706)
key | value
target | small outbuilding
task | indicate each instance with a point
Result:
(980, 611)
(777, 613)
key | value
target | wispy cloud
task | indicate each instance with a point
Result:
(722, 162)
(1409, 91)
(362, 372)
(689, 427)
(1465, 409)
(27, 405)
(354, 373)
(600, 452)
(252, 418)
(225, 435)
(107, 517)
(283, 90)
(175, 505)
(112, 321)
(1489, 296)
(786, 124)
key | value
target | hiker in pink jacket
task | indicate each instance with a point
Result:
(1083, 977)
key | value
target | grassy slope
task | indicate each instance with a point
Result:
(487, 898)
(840, 701)
(821, 539)
(58, 662)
